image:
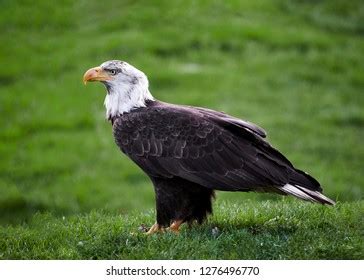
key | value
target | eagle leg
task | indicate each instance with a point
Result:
(174, 227)
(179, 201)
(155, 229)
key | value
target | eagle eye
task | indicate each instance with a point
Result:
(111, 71)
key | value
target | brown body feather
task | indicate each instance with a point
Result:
(188, 152)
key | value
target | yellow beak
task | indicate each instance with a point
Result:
(95, 74)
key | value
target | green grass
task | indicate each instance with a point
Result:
(293, 67)
(266, 230)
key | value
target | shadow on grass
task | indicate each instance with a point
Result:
(253, 228)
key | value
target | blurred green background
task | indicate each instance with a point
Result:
(293, 67)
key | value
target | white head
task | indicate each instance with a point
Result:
(127, 87)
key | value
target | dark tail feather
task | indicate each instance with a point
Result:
(306, 194)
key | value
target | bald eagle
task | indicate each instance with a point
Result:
(188, 152)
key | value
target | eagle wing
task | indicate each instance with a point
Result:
(232, 122)
(212, 150)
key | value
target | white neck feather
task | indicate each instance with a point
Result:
(124, 98)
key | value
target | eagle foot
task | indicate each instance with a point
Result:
(155, 229)
(174, 227)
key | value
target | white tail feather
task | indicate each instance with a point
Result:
(306, 194)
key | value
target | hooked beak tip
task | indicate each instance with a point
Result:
(95, 74)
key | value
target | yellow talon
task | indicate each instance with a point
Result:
(175, 226)
(155, 229)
